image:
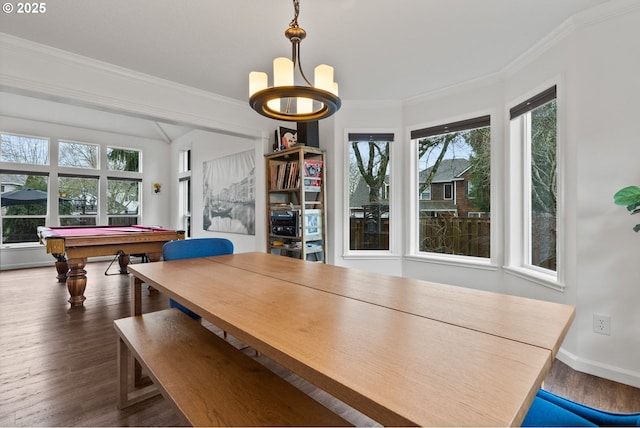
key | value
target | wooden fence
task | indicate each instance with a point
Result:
(456, 235)
(453, 235)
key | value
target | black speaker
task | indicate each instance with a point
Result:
(308, 134)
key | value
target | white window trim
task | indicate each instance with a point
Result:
(413, 253)
(394, 199)
(74, 168)
(184, 175)
(52, 170)
(517, 203)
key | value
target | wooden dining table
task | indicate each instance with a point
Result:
(402, 351)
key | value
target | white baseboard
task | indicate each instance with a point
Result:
(595, 368)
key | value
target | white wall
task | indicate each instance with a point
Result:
(607, 144)
(155, 163)
(206, 146)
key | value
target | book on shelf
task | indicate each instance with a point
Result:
(312, 180)
(313, 168)
(284, 176)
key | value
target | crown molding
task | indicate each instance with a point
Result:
(593, 16)
(58, 56)
(467, 85)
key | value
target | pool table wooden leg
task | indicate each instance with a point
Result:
(123, 260)
(62, 268)
(77, 280)
(154, 257)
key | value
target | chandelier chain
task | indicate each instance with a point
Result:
(296, 8)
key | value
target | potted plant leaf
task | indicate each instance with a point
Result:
(629, 197)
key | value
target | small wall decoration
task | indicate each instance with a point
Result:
(229, 194)
(157, 187)
(285, 139)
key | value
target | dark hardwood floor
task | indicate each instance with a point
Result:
(58, 365)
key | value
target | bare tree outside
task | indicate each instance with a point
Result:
(77, 155)
(369, 194)
(24, 149)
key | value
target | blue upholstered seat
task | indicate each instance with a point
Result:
(550, 410)
(191, 249)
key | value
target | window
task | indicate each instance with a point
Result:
(25, 192)
(123, 160)
(426, 193)
(25, 150)
(369, 191)
(78, 195)
(454, 167)
(24, 203)
(65, 183)
(447, 191)
(77, 155)
(184, 190)
(78, 200)
(534, 129)
(123, 201)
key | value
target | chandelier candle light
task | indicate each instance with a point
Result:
(287, 101)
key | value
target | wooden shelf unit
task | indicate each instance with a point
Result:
(295, 203)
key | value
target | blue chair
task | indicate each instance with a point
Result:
(191, 249)
(550, 410)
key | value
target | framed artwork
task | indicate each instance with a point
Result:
(285, 138)
(229, 188)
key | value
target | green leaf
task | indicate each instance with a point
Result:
(629, 196)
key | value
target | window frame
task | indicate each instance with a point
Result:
(68, 141)
(518, 232)
(138, 215)
(440, 127)
(185, 199)
(95, 216)
(45, 217)
(53, 171)
(392, 190)
(30, 166)
(451, 191)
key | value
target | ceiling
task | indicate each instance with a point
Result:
(381, 50)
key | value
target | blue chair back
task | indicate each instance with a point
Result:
(196, 247)
(191, 249)
(550, 410)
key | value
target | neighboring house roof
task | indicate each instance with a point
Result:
(10, 179)
(449, 170)
(360, 196)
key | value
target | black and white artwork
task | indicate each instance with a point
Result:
(229, 194)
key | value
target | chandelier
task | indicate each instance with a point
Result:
(287, 101)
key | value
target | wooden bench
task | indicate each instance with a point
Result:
(209, 382)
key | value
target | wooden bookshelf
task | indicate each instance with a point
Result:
(295, 197)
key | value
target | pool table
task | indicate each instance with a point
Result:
(72, 245)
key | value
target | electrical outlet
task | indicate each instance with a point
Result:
(602, 324)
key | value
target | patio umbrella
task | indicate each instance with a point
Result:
(23, 197)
